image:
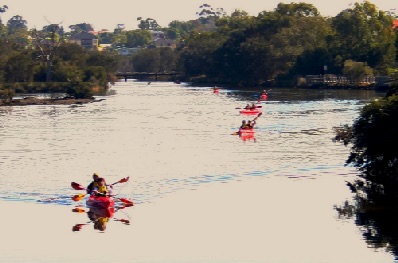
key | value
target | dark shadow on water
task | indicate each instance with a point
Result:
(377, 221)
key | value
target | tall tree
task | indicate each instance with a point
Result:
(47, 43)
(16, 23)
(363, 33)
(148, 24)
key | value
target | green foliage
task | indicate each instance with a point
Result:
(375, 140)
(16, 23)
(79, 90)
(19, 67)
(374, 150)
(148, 24)
(96, 75)
(138, 38)
(355, 71)
(82, 27)
(364, 33)
(296, 9)
(6, 94)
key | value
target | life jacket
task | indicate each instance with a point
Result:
(102, 189)
(95, 184)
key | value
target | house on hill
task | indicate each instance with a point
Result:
(86, 40)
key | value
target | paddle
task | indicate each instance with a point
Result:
(124, 221)
(125, 201)
(78, 227)
(79, 197)
(238, 132)
(78, 210)
(123, 180)
(77, 186)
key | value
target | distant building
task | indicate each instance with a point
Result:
(86, 40)
(160, 39)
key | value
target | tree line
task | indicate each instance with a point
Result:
(275, 46)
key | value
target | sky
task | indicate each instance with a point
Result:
(108, 14)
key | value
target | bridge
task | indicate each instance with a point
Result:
(149, 75)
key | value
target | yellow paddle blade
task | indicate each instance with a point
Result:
(78, 197)
(78, 210)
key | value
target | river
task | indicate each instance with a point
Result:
(201, 194)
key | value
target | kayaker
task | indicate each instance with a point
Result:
(250, 124)
(93, 184)
(101, 189)
(244, 125)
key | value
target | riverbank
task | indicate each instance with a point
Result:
(47, 101)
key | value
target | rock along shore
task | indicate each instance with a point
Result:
(51, 101)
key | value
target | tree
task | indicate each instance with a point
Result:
(356, 71)
(148, 24)
(297, 9)
(17, 32)
(138, 38)
(47, 43)
(206, 11)
(364, 33)
(105, 38)
(19, 67)
(77, 28)
(16, 23)
(147, 60)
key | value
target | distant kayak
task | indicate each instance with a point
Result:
(100, 202)
(254, 111)
(216, 90)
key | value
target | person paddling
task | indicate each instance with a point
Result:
(101, 189)
(247, 125)
(93, 184)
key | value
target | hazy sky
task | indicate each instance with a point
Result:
(107, 14)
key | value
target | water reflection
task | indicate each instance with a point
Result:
(100, 217)
(377, 220)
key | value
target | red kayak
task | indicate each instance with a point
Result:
(254, 111)
(246, 134)
(246, 131)
(100, 201)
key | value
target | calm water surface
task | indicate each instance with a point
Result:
(200, 193)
